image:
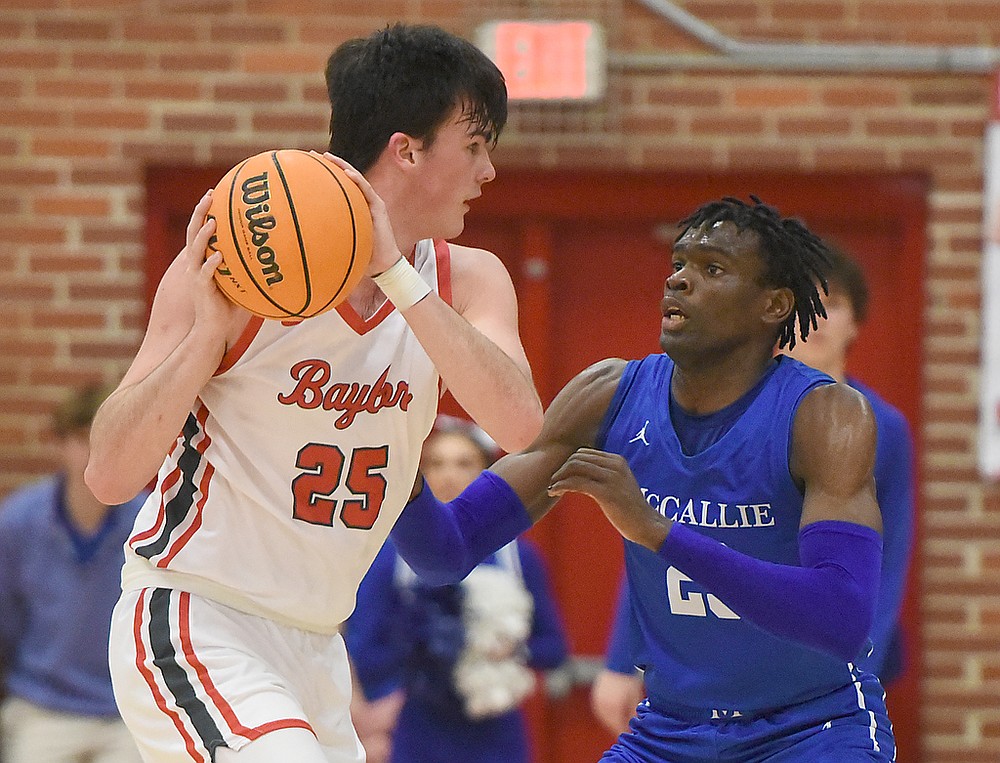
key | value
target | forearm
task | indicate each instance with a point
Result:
(138, 423)
(493, 388)
(827, 603)
(442, 542)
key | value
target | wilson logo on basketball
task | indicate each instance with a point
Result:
(314, 390)
(294, 232)
(256, 194)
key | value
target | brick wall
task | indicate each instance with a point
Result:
(95, 91)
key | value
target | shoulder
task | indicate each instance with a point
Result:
(472, 263)
(835, 403)
(834, 429)
(476, 273)
(596, 382)
(576, 413)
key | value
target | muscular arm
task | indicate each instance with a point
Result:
(477, 349)
(184, 343)
(443, 542)
(826, 602)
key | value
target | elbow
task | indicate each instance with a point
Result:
(526, 427)
(105, 488)
(443, 573)
(849, 640)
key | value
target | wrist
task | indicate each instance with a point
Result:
(402, 284)
(657, 534)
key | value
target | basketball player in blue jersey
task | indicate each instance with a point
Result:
(618, 689)
(742, 484)
(283, 452)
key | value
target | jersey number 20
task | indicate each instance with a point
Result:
(323, 468)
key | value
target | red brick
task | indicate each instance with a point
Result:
(104, 175)
(162, 88)
(105, 292)
(160, 30)
(813, 126)
(196, 62)
(34, 60)
(862, 95)
(251, 93)
(70, 147)
(65, 263)
(72, 30)
(73, 87)
(25, 233)
(111, 118)
(108, 233)
(71, 206)
(285, 121)
(902, 127)
(30, 117)
(727, 125)
(273, 60)
(208, 122)
(244, 31)
(117, 61)
(772, 96)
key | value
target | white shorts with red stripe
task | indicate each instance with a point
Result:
(191, 675)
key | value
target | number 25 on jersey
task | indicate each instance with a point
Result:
(323, 472)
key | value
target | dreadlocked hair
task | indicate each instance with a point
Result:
(793, 256)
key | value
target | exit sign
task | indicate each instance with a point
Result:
(547, 60)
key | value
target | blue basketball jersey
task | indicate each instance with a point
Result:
(696, 652)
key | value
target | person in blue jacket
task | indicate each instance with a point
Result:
(743, 485)
(619, 688)
(60, 565)
(441, 672)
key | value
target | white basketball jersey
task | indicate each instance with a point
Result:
(294, 464)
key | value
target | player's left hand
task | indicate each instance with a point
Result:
(607, 478)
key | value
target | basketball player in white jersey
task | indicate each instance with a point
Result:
(287, 451)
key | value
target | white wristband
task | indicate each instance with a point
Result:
(402, 284)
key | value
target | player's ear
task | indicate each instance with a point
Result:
(779, 305)
(402, 148)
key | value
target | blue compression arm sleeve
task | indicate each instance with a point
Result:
(442, 542)
(828, 603)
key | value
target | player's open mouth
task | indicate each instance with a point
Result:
(673, 317)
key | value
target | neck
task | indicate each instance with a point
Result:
(398, 203)
(709, 387)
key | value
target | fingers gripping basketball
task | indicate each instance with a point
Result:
(294, 232)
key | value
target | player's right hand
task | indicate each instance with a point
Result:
(212, 309)
(607, 478)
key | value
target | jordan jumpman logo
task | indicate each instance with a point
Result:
(641, 435)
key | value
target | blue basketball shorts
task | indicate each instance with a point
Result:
(849, 725)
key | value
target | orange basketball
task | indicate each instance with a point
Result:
(294, 231)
